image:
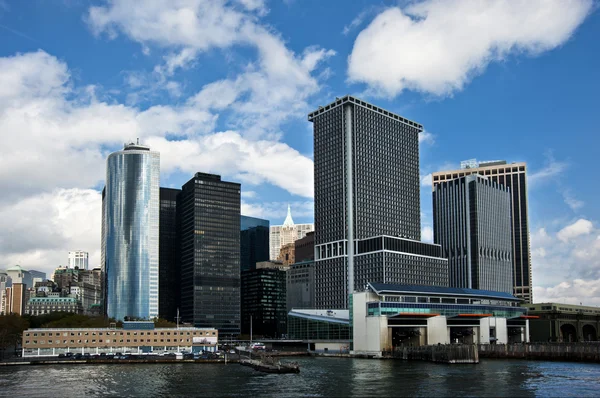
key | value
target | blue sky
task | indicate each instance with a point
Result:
(225, 86)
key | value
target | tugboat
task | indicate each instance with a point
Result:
(268, 365)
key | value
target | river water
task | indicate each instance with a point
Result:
(319, 377)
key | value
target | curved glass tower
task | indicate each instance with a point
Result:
(130, 232)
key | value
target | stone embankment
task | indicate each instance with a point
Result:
(578, 352)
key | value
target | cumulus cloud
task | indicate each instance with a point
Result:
(563, 257)
(427, 234)
(578, 228)
(578, 291)
(437, 46)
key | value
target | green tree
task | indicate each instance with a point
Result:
(163, 323)
(11, 332)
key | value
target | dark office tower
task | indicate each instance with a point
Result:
(208, 218)
(264, 299)
(305, 248)
(514, 177)
(168, 268)
(254, 242)
(366, 163)
(471, 221)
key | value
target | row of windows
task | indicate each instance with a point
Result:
(57, 334)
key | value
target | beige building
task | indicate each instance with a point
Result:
(287, 254)
(135, 337)
(15, 299)
(513, 176)
(281, 235)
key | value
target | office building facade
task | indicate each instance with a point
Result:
(300, 285)
(254, 242)
(168, 267)
(367, 185)
(264, 302)
(131, 232)
(208, 219)
(514, 177)
(471, 222)
(79, 259)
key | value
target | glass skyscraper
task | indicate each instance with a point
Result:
(254, 242)
(130, 232)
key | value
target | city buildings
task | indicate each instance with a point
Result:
(16, 284)
(514, 177)
(79, 259)
(254, 242)
(134, 337)
(287, 254)
(264, 300)
(36, 276)
(471, 221)
(5, 282)
(168, 267)
(367, 184)
(560, 322)
(130, 232)
(305, 248)
(46, 304)
(208, 219)
(85, 286)
(387, 316)
(300, 285)
(281, 235)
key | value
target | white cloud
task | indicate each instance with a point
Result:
(551, 169)
(38, 231)
(267, 93)
(437, 46)
(571, 201)
(426, 137)
(578, 228)
(578, 291)
(427, 234)
(426, 181)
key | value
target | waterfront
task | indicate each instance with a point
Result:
(319, 377)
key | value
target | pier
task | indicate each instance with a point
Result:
(443, 353)
(578, 352)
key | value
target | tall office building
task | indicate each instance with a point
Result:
(471, 221)
(79, 259)
(130, 232)
(366, 163)
(254, 242)
(208, 217)
(281, 235)
(514, 177)
(168, 267)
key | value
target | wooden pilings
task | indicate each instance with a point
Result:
(583, 352)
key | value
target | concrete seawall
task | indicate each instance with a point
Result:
(579, 352)
(449, 353)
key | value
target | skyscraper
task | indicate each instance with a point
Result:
(281, 235)
(79, 259)
(514, 177)
(130, 232)
(208, 218)
(254, 242)
(471, 221)
(168, 267)
(366, 163)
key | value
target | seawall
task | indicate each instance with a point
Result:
(577, 352)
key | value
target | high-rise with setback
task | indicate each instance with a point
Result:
(366, 170)
(514, 177)
(130, 217)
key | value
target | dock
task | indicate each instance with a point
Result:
(570, 352)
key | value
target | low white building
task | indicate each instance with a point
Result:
(386, 317)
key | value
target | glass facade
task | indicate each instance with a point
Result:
(131, 232)
(449, 310)
(254, 242)
(208, 221)
(168, 269)
(264, 299)
(312, 328)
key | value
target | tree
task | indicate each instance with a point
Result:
(11, 331)
(163, 323)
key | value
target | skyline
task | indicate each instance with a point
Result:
(235, 103)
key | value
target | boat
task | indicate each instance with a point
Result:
(269, 365)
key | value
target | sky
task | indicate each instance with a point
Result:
(225, 87)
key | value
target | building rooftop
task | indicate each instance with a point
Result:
(383, 288)
(16, 268)
(356, 101)
(288, 222)
(335, 316)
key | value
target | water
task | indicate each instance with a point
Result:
(319, 377)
